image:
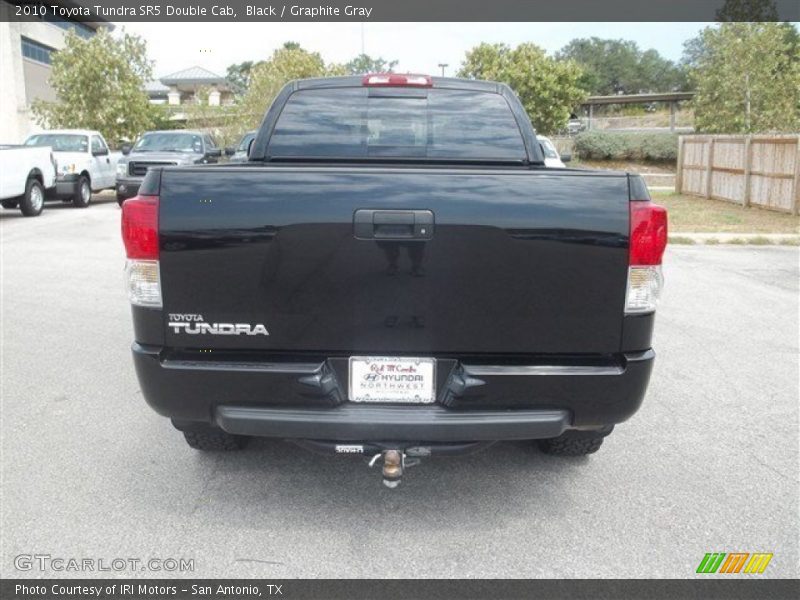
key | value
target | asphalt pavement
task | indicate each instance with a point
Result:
(710, 463)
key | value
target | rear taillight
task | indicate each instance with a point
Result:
(140, 236)
(648, 240)
(648, 233)
(395, 79)
(140, 227)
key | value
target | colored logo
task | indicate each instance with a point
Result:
(734, 562)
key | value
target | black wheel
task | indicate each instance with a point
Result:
(120, 199)
(83, 195)
(574, 443)
(32, 202)
(215, 441)
(10, 203)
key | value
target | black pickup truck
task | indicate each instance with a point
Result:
(394, 273)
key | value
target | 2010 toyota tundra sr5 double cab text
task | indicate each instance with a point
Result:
(394, 272)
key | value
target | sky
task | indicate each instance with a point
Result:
(419, 47)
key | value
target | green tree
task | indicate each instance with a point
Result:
(742, 11)
(162, 118)
(747, 10)
(364, 63)
(221, 121)
(657, 74)
(693, 54)
(620, 67)
(694, 49)
(609, 66)
(747, 79)
(549, 89)
(239, 75)
(268, 77)
(98, 84)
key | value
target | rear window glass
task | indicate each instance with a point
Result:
(401, 123)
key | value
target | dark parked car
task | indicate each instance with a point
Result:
(394, 273)
(239, 153)
(159, 149)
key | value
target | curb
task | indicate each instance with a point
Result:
(736, 239)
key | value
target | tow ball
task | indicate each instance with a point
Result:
(395, 463)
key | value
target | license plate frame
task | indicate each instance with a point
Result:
(391, 391)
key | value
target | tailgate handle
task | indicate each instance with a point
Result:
(371, 224)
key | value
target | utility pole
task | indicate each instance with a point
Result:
(442, 66)
(747, 103)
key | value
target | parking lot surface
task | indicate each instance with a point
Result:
(710, 463)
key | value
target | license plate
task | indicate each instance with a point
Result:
(398, 380)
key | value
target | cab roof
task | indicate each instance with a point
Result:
(67, 131)
(436, 82)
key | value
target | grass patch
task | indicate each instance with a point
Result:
(759, 241)
(712, 242)
(790, 242)
(700, 215)
(680, 239)
(731, 219)
(659, 168)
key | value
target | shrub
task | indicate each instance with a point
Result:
(620, 145)
(658, 146)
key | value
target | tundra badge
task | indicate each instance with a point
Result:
(194, 324)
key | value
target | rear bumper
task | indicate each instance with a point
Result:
(352, 422)
(293, 398)
(66, 186)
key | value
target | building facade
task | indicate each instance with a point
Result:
(26, 51)
(191, 86)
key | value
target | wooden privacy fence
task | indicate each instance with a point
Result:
(751, 170)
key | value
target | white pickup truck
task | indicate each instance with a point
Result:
(85, 163)
(25, 176)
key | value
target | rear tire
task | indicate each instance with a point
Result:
(10, 203)
(120, 199)
(83, 195)
(32, 202)
(215, 441)
(574, 443)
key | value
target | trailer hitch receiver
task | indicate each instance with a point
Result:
(394, 464)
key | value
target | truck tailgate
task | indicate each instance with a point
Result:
(518, 261)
